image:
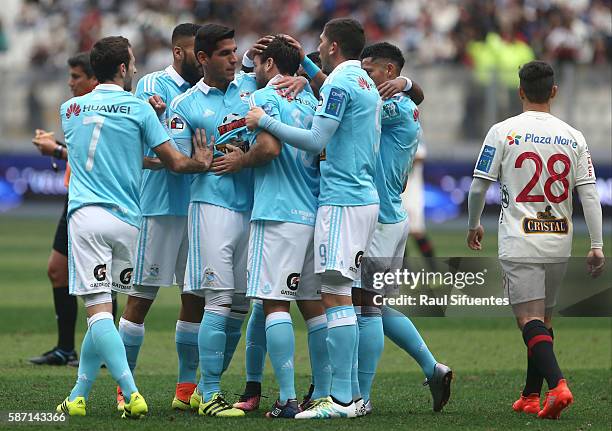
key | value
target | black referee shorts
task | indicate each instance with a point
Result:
(60, 242)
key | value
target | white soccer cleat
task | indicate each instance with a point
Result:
(360, 408)
(328, 409)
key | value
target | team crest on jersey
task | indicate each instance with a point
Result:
(176, 124)
(513, 139)
(154, 271)
(209, 277)
(244, 96)
(363, 83)
(73, 109)
(266, 289)
(390, 111)
(545, 222)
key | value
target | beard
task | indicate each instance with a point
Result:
(190, 72)
(127, 84)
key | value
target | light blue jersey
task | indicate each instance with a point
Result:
(220, 114)
(398, 144)
(107, 132)
(163, 192)
(348, 163)
(286, 188)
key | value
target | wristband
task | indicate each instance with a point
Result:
(408, 83)
(247, 62)
(310, 67)
(58, 152)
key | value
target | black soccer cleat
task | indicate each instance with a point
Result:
(56, 356)
(286, 411)
(440, 386)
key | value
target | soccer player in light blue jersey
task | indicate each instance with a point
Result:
(281, 254)
(398, 145)
(161, 254)
(107, 132)
(346, 131)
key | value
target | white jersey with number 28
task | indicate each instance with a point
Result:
(538, 160)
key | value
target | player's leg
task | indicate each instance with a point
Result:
(65, 304)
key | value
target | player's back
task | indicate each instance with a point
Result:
(398, 144)
(286, 188)
(538, 159)
(104, 133)
(349, 163)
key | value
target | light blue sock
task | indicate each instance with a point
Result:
(256, 344)
(132, 335)
(371, 345)
(402, 332)
(319, 358)
(281, 348)
(341, 339)
(232, 333)
(187, 349)
(112, 352)
(89, 367)
(211, 344)
(355, 390)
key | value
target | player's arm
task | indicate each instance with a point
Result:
(401, 84)
(591, 208)
(174, 160)
(316, 75)
(266, 149)
(257, 48)
(476, 204)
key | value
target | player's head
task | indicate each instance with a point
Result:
(215, 49)
(278, 57)
(81, 78)
(316, 59)
(537, 82)
(342, 39)
(183, 39)
(382, 61)
(112, 60)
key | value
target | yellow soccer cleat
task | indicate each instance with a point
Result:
(217, 406)
(195, 399)
(136, 408)
(72, 408)
(182, 396)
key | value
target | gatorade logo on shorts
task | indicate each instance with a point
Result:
(99, 272)
(293, 281)
(126, 276)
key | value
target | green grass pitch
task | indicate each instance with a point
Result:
(487, 355)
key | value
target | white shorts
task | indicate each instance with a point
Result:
(281, 262)
(342, 234)
(218, 249)
(413, 199)
(386, 252)
(524, 282)
(161, 255)
(100, 252)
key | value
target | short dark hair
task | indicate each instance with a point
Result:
(537, 81)
(107, 55)
(285, 56)
(209, 35)
(186, 29)
(315, 57)
(384, 50)
(348, 34)
(82, 60)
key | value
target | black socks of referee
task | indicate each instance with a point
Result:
(66, 314)
(541, 357)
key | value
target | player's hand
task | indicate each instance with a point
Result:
(45, 142)
(158, 104)
(294, 43)
(595, 262)
(259, 46)
(229, 163)
(474, 238)
(152, 163)
(253, 117)
(291, 84)
(392, 87)
(202, 152)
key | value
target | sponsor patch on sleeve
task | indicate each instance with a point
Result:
(486, 158)
(337, 97)
(268, 108)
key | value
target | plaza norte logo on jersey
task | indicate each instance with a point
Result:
(545, 222)
(73, 109)
(550, 140)
(513, 139)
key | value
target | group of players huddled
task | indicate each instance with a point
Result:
(246, 188)
(240, 186)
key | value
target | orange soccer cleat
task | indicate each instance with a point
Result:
(182, 395)
(527, 404)
(120, 400)
(557, 399)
